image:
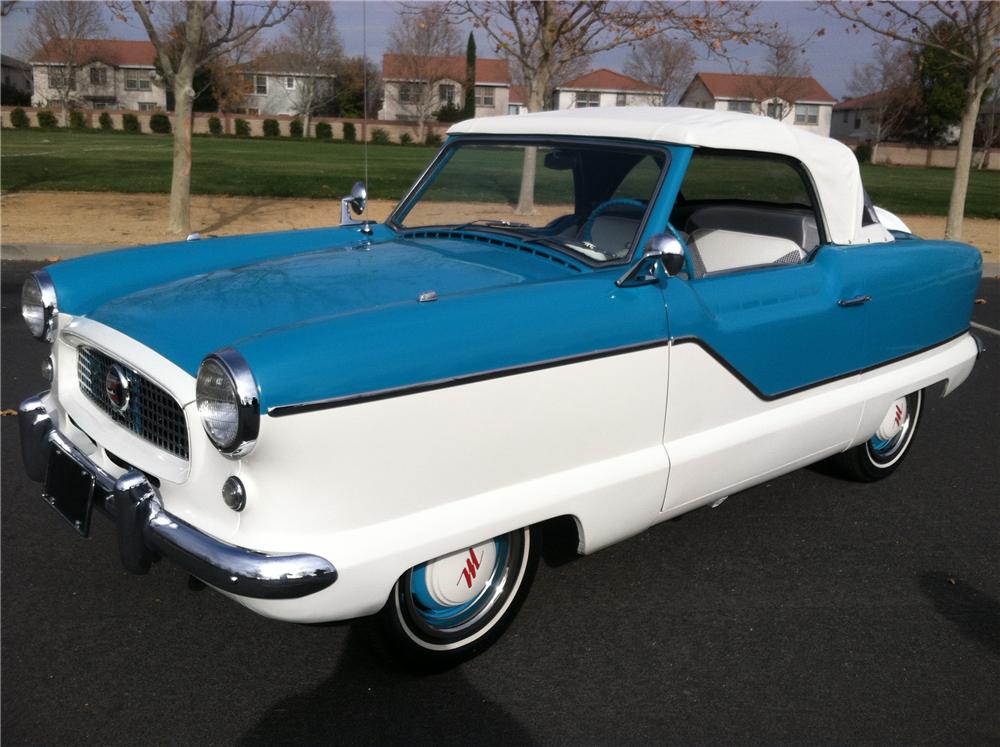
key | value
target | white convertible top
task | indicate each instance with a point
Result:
(831, 165)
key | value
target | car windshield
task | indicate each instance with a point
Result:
(587, 199)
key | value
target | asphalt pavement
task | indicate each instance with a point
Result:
(806, 610)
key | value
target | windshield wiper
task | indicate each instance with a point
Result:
(489, 223)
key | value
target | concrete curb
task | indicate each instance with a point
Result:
(41, 252)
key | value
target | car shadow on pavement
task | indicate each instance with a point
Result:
(370, 701)
(975, 614)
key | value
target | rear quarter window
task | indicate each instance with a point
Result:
(750, 177)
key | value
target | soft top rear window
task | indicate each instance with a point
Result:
(746, 177)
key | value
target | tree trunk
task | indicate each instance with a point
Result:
(963, 163)
(526, 197)
(180, 182)
(306, 122)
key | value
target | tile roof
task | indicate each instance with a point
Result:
(732, 86)
(518, 95)
(607, 80)
(14, 62)
(861, 101)
(397, 67)
(114, 52)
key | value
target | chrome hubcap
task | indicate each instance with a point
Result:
(894, 430)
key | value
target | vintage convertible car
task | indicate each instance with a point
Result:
(613, 315)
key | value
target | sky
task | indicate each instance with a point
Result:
(831, 56)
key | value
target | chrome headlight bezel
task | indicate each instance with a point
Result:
(42, 323)
(246, 397)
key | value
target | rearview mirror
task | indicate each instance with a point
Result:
(354, 202)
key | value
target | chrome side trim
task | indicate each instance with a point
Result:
(146, 530)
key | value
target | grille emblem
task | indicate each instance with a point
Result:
(116, 388)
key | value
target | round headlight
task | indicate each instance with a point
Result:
(38, 305)
(228, 404)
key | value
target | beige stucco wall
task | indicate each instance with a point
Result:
(393, 109)
(566, 99)
(114, 88)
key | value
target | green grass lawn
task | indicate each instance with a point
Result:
(104, 162)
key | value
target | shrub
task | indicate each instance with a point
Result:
(271, 128)
(863, 153)
(160, 123)
(432, 138)
(449, 113)
(350, 134)
(105, 121)
(47, 119)
(324, 131)
(242, 128)
(130, 123)
(405, 139)
(19, 119)
(77, 121)
(380, 136)
(295, 128)
(215, 126)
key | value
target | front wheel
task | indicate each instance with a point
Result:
(451, 608)
(880, 455)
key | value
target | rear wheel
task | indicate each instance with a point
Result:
(451, 608)
(881, 454)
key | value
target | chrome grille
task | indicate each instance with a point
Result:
(151, 414)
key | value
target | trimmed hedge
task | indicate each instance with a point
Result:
(405, 139)
(105, 121)
(380, 136)
(295, 128)
(130, 123)
(863, 153)
(47, 120)
(215, 126)
(323, 131)
(160, 123)
(19, 119)
(432, 138)
(77, 121)
(272, 128)
(350, 134)
(242, 128)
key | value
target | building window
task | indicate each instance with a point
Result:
(806, 114)
(740, 106)
(105, 104)
(138, 80)
(845, 116)
(57, 78)
(255, 85)
(289, 82)
(484, 95)
(621, 99)
(513, 108)
(857, 121)
(586, 99)
(98, 76)
(775, 110)
(446, 93)
(147, 106)
(410, 93)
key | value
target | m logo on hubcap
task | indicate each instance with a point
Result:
(116, 388)
(470, 570)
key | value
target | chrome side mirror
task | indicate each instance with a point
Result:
(662, 249)
(354, 202)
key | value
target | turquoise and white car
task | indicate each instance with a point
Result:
(615, 315)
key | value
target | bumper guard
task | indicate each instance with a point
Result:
(146, 530)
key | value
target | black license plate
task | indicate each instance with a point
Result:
(70, 490)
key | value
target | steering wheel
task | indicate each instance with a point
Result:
(588, 227)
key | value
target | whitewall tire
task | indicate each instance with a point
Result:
(881, 455)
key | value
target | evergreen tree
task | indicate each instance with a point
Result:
(469, 110)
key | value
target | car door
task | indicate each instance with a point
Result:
(760, 376)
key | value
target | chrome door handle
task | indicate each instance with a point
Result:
(856, 301)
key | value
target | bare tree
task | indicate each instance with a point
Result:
(544, 37)
(664, 63)
(188, 36)
(783, 80)
(422, 39)
(60, 31)
(310, 45)
(889, 82)
(920, 25)
(988, 126)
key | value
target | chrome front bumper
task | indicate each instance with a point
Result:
(147, 531)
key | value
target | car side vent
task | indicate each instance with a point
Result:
(494, 241)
